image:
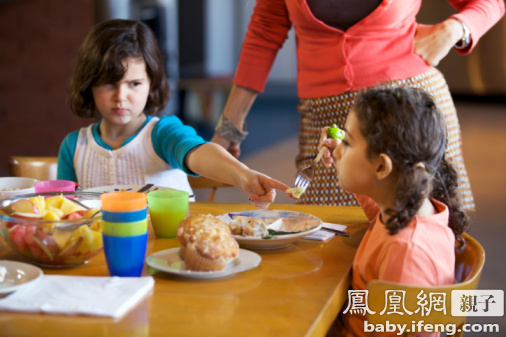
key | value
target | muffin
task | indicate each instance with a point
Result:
(212, 250)
(190, 228)
(248, 226)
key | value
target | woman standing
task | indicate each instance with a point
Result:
(343, 47)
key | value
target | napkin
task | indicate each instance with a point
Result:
(80, 295)
(323, 235)
(319, 236)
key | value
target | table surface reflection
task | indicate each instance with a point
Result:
(296, 291)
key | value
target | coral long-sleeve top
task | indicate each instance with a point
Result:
(376, 49)
(422, 254)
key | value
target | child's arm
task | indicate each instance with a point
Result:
(66, 169)
(214, 162)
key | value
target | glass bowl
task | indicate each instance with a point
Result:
(53, 229)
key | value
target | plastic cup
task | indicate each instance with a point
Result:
(125, 216)
(54, 186)
(167, 208)
(133, 228)
(123, 201)
(125, 254)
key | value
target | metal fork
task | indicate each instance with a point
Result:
(305, 175)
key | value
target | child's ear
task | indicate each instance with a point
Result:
(384, 166)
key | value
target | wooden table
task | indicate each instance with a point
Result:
(296, 291)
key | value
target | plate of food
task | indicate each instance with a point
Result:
(270, 229)
(169, 261)
(16, 275)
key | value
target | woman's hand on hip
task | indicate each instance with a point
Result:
(434, 42)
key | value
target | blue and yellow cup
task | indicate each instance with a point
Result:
(124, 232)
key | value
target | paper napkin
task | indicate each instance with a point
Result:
(80, 295)
(323, 235)
(319, 236)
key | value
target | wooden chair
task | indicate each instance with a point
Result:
(468, 267)
(203, 182)
(41, 168)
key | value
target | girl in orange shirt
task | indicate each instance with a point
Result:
(393, 159)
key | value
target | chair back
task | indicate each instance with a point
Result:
(203, 182)
(41, 168)
(469, 263)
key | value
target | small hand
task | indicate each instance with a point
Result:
(262, 189)
(331, 144)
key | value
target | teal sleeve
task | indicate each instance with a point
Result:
(66, 170)
(172, 140)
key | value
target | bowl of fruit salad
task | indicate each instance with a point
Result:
(53, 229)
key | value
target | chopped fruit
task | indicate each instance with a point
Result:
(62, 237)
(24, 206)
(23, 215)
(38, 234)
(55, 201)
(56, 211)
(75, 215)
(40, 203)
(296, 191)
(91, 212)
(96, 226)
(68, 206)
(92, 240)
(51, 215)
(71, 249)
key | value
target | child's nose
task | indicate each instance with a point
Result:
(120, 93)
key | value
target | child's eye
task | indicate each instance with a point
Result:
(345, 142)
(134, 84)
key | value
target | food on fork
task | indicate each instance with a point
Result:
(335, 132)
(296, 191)
(248, 226)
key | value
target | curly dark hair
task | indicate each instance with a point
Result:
(100, 61)
(406, 124)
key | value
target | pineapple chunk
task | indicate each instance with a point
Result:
(40, 203)
(62, 237)
(55, 201)
(52, 215)
(91, 240)
(68, 206)
(96, 226)
(90, 212)
(56, 211)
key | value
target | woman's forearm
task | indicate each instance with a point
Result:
(238, 105)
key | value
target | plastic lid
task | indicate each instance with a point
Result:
(123, 201)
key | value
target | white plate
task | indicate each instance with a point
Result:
(115, 188)
(277, 241)
(19, 275)
(169, 261)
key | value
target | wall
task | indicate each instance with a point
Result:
(39, 40)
